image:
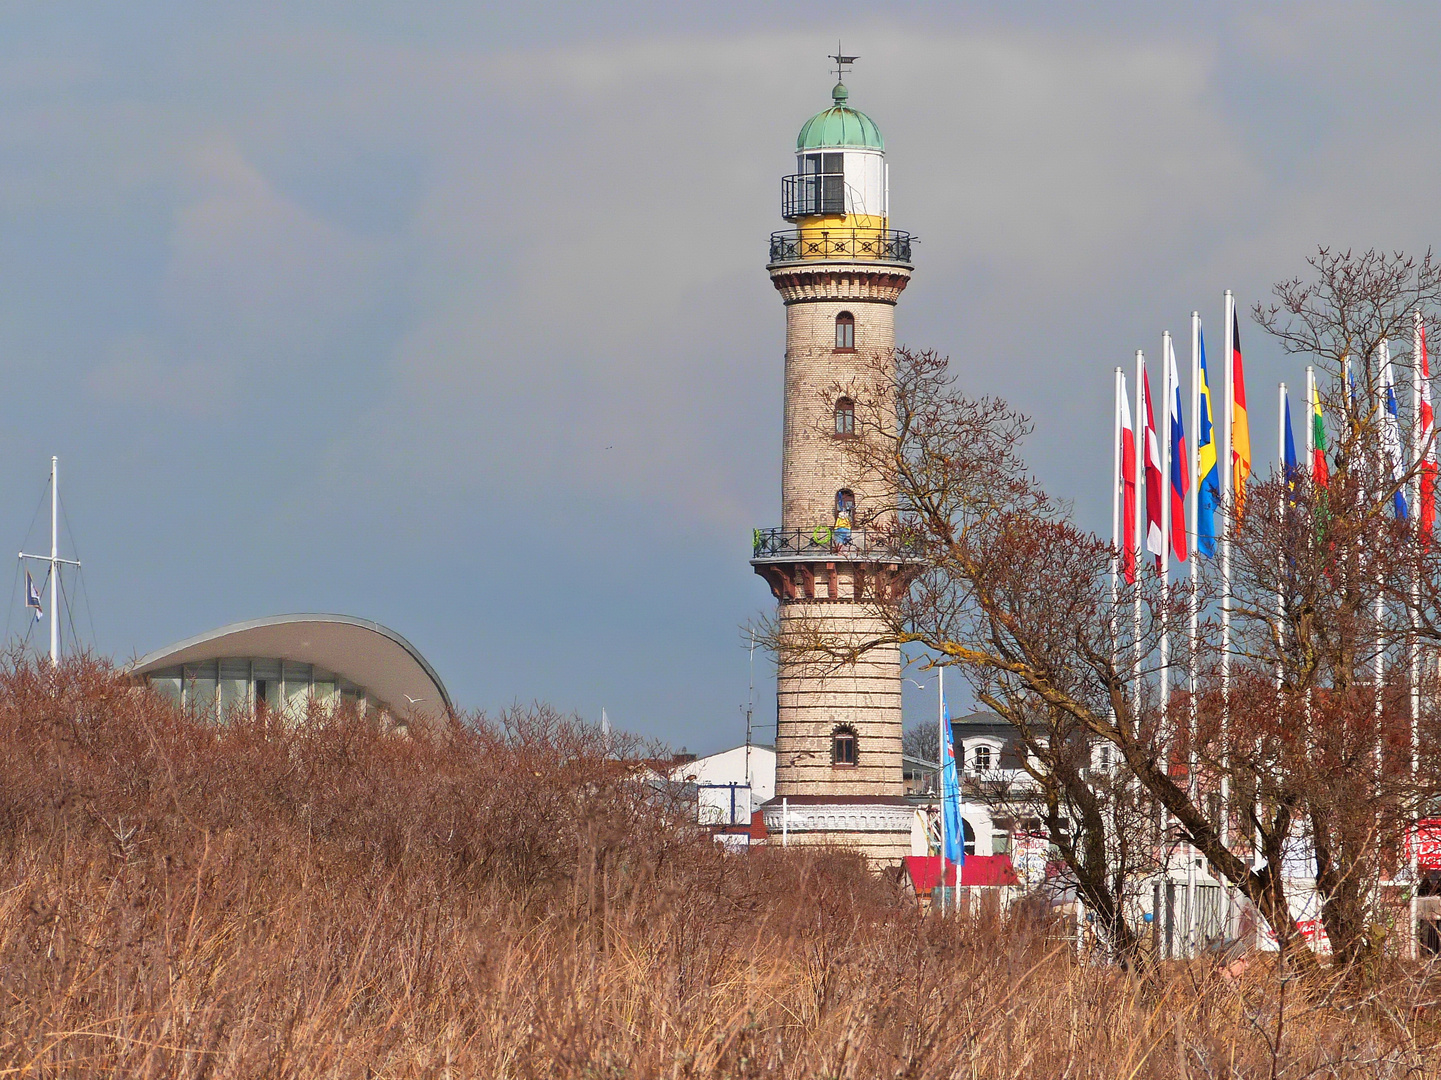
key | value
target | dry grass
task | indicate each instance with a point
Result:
(498, 900)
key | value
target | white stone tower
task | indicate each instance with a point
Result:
(840, 272)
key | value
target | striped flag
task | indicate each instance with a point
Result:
(1180, 481)
(1240, 424)
(1320, 474)
(955, 847)
(1155, 536)
(1289, 469)
(1128, 489)
(1208, 477)
(1391, 438)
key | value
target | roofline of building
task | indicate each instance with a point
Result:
(299, 617)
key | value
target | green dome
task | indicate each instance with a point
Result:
(840, 125)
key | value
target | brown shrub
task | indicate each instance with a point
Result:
(502, 898)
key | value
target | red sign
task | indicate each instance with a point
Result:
(1425, 844)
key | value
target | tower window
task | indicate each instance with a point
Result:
(846, 504)
(845, 417)
(843, 747)
(845, 331)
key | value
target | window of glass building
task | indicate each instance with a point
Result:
(218, 689)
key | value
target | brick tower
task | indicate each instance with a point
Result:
(840, 272)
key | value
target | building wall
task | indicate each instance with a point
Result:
(817, 697)
(815, 464)
(814, 699)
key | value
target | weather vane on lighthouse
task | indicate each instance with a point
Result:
(842, 61)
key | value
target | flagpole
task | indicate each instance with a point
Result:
(1227, 497)
(1310, 420)
(54, 561)
(1379, 607)
(1162, 817)
(1195, 617)
(1413, 645)
(1166, 526)
(941, 753)
(1140, 424)
(1280, 516)
(1311, 404)
(1117, 487)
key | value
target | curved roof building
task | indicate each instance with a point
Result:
(285, 661)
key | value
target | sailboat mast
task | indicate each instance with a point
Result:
(54, 561)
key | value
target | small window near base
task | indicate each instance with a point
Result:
(843, 747)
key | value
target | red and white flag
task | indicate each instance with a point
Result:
(1427, 441)
(1128, 489)
(1155, 535)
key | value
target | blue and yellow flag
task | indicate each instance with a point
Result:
(1208, 479)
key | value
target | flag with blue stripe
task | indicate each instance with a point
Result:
(955, 849)
(1208, 477)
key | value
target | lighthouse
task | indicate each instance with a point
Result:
(840, 270)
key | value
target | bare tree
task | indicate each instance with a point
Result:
(922, 741)
(1310, 731)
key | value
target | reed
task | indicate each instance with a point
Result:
(503, 898)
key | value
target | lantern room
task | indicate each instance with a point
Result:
(839, 196)
(840, 176)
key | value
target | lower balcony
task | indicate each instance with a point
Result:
(827, 543)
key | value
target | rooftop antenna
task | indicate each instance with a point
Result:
(842, 61)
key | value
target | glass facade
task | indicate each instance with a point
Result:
(217, 688)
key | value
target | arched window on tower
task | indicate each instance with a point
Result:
(843, 747)
(845, 417)
(845, 332)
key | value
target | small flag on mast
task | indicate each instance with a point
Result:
(1208, 497)
(1155, 537)
(1128, 489)
(32, 596)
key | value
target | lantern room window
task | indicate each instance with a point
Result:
(845, 332)
(843, 747)
(845, 418)
(825, 183)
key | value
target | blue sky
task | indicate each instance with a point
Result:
(455, 317)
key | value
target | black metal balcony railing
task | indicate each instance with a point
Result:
(824, 541)
(812, 194)
(865, 245)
